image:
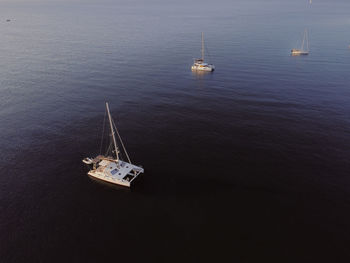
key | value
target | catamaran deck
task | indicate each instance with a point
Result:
(121, 173)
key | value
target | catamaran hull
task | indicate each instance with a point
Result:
(300, 53)
(209, 69)
(108, 179)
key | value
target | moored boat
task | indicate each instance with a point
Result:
(302, 50)
(199, 63)
(109, 167)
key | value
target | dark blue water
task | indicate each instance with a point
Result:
(250, 163)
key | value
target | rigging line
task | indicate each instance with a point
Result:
(103, 131)
(121, 141)
(296, 44)
(207, 50)
(109, 150)
(302, 42)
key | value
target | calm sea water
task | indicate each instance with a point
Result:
(250, 163)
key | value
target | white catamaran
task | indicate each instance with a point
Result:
(199, 63)
(302, 50)
(109, 167)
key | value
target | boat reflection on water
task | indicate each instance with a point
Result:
(201, 75)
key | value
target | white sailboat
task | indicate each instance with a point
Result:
(302, 50)
(109, 167)
(199, 63)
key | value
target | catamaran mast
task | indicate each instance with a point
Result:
(202, 47)
(112, 131)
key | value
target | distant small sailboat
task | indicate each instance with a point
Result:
(109, 167)
(199, 63)
(302, 50)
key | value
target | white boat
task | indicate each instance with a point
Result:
(199, 63)
(302, 50)
(109, 167)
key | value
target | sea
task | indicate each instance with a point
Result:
(250, 163)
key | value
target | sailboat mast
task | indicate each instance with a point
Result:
(202, 46)
(112, 131)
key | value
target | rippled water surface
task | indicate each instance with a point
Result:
(247, 164)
